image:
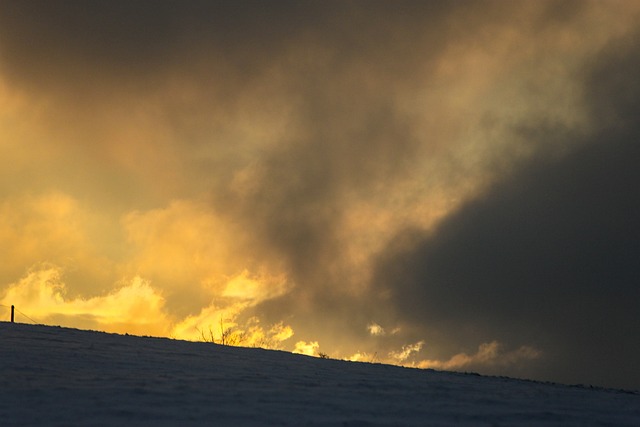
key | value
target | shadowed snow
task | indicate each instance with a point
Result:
(53, 376)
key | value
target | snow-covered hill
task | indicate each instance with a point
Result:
(51, 376)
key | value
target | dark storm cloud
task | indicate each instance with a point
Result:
(49, 43)
(356, 144)
(349, 141)
(550, 256)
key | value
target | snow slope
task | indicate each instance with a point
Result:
(51, 376)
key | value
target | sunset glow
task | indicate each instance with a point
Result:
(430, 184)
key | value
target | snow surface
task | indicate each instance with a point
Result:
(52, 376)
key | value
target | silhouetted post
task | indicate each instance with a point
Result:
(12, 309)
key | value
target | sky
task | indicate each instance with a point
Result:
(447, 185)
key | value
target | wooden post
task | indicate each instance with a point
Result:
(12, 309)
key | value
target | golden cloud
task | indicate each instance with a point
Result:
(489, 354)
(134, 308)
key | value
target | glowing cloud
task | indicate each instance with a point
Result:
(407, 350)
(272, 337)
(180, 243)
(363, 357)
(256, 289)
(488, 354)
(375, 329)
(221, 325)
(308, 348)
(135, 307)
